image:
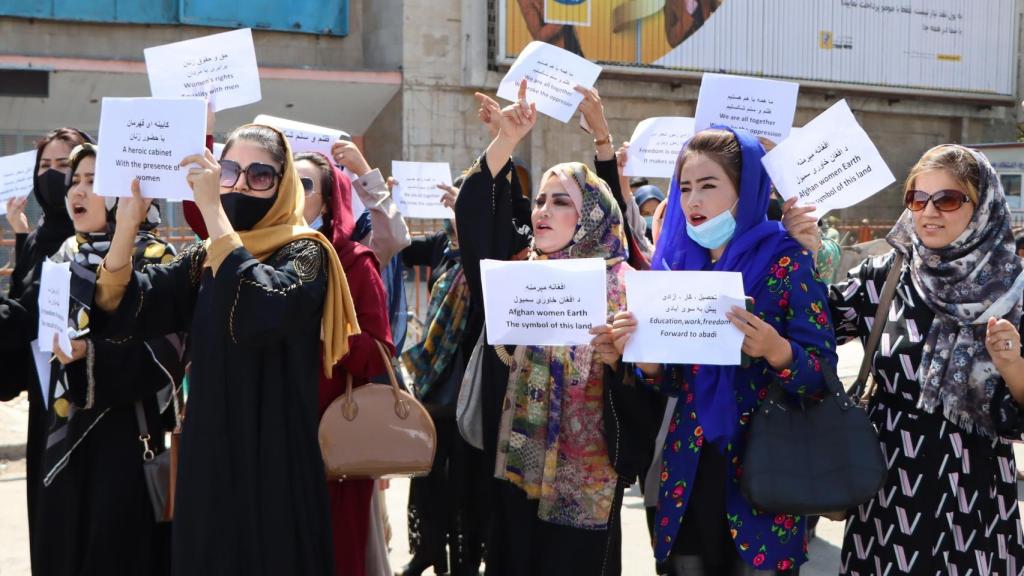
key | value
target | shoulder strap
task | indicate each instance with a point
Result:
(144, 437)
(884, 302)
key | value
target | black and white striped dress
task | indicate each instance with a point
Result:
(949, 504)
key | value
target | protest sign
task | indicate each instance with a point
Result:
(147, 138)
(759, 106)
(681, 317)
(831, 163)
(16, 173)
(655, 145)
(303, 137)
(544, 302)
(220, 67)
(54, 302)
(552, 75)
(42, 361)
(416, 191)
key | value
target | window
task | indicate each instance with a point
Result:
(1011, 187)
(304, 16)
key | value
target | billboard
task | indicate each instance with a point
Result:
(954, 46)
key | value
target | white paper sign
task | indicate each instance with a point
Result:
(218, 150)
(655, 145)
(416, 191)
(54, 302)
(146, 138)
(831, 163)
(16, 177)
(761, 107)
(552, 75)
(221, 67)
(681, 317)
(544, 302)
(305, 137)
(42, 362)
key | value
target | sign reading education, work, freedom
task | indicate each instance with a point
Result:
(16, 173)
(220, 67)
(831, 163)
(552, 75)
(544, 302)
(759, 106)
(147, 138)
(655, 145)
(681, 317)
(416, 192)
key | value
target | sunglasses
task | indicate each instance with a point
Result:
(307, 185)
(943, 200)
(259, 177)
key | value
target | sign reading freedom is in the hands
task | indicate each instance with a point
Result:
(552, 75)
(655, 145)
(681, 317)
(16, 173)
(831, 163)
(147, 138)
(220, 67)
(544, 302)
(761, 107)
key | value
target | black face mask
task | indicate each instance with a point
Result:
(52, 189)
(244, 211)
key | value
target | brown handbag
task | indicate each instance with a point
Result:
(377, 431)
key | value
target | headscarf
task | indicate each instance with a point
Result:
(976, 277)
(552, 443)
(753, 247)
(284, 224)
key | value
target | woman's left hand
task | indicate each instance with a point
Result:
(78, 348)
(604, 345)
(1002, 341)
(593, 112)
(760, 340)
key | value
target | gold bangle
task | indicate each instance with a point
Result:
(606, 140)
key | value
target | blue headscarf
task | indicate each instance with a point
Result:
(751, 251)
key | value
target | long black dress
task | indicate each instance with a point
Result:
(949, 504)
(251, 493)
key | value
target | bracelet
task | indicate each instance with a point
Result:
(606, 140)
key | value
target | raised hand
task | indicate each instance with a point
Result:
(204, 179)
(347, 154)
(132, 210)
(16, 215)
(489, 113)
(801, 225)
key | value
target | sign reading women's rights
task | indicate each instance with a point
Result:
(761, 107)
(552, 75)
(220, 67)
(416, 191)
(146, 138)
(544, 302)
(681, 317)
(305, 137)
(831, 163)
(54, 302)
(16, 177)
(655, 145)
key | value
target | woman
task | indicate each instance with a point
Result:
(949, 504)
(557, 494)
(267, 303)
(327, 186)
(716, 220)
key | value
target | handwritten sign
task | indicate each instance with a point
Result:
(220, 67)
(305, 137)
(146, 138)
(54, 299)
(761, 107)
(655, 145)
(416, 191)
(831, 163)
(16, 177)
(544, 302)
(681, 317)
(552, 75)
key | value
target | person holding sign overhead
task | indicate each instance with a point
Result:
(557, 491)
(267, 304)
(715, 220)
(949, 373)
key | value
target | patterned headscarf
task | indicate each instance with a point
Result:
(976, 277)
(552, 443)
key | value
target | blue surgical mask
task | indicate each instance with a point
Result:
(650, 222)
(715, 232)
(316, 224)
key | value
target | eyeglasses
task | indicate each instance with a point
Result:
(307, 185)
(260, 177)
(943, 200)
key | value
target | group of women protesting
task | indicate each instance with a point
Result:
(282, 301)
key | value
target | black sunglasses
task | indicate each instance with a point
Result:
(307, 185)
(943, 200)
(259, 176)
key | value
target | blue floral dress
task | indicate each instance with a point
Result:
(795, 302)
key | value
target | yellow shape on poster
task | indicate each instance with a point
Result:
(571, 12)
